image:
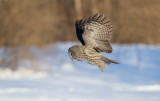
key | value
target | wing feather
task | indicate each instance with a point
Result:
(96, 31)
(80, 29)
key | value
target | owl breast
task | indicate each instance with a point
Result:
(91, 56)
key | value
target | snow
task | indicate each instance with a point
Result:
(49, 75)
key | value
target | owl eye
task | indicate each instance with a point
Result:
(72, 54)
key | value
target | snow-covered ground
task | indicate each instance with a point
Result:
(52, 76)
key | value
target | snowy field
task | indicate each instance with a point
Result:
(52, 76)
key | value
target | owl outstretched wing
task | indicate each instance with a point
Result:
(96, 31)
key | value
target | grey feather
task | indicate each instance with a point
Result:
(94, 34)
(95, 31)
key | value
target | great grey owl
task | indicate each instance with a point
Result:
(94, 34)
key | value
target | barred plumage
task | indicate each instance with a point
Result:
(94, 34)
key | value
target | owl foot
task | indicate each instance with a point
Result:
(101, 69)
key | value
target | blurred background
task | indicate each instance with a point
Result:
(35, 36)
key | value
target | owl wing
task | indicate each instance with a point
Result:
(80, 29)
(96, 31)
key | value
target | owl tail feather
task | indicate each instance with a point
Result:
(108, 60)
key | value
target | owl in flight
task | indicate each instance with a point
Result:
(94, 34)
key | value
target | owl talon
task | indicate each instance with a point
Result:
(101, 69)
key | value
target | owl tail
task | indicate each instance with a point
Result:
(108, 61)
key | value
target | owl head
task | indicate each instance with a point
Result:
(75, 52)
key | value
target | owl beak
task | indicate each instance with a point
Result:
(72, 59)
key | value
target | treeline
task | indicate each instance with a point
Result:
(39, 22)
